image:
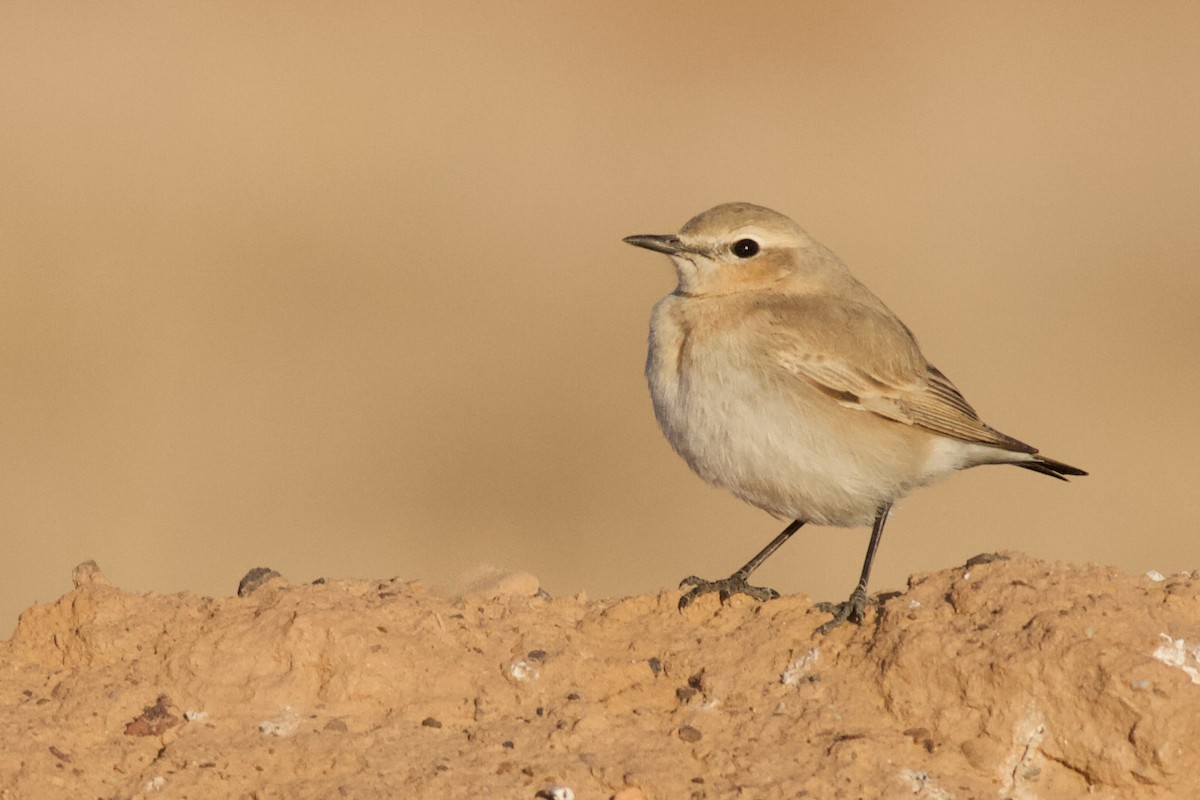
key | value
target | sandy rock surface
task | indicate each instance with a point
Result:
(1009, 679)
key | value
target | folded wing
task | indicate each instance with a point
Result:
(864, 358)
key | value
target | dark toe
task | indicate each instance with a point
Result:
(724, 588)
(853, 610)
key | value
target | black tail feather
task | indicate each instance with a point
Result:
(1048, 466)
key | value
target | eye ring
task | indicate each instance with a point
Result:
(745, 248)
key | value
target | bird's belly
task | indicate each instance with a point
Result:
(782, 446)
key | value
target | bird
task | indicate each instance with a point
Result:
(779, 377)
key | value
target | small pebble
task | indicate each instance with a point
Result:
(523, 671)
(254, 579)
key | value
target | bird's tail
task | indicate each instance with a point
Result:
(1048, 466)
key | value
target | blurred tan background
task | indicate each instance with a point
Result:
(341, 290)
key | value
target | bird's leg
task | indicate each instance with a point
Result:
(736, 583)
(853, 608)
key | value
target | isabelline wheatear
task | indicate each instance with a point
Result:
(778, 376)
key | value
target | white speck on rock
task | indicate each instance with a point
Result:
(801, 668)
(523, 671)
(1155, 575)
(922, 784)
(1023, 764)
(1177, 653)
(283, 725)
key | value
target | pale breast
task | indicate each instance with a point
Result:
(743, 424)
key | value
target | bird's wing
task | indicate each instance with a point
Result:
(865, 359)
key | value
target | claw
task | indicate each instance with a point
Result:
(725, 588)
(853, 610)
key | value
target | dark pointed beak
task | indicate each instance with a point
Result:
(660, 244)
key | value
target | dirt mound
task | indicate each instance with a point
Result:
(1012, 678)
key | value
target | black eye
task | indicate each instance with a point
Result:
(745, 248)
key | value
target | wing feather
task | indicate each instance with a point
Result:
(864, 358)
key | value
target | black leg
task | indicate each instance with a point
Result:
(736, 583)
(853, 608)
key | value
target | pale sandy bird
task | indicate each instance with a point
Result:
(778, 376)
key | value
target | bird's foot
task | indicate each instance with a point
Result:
(725, 588)
(852, 610)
